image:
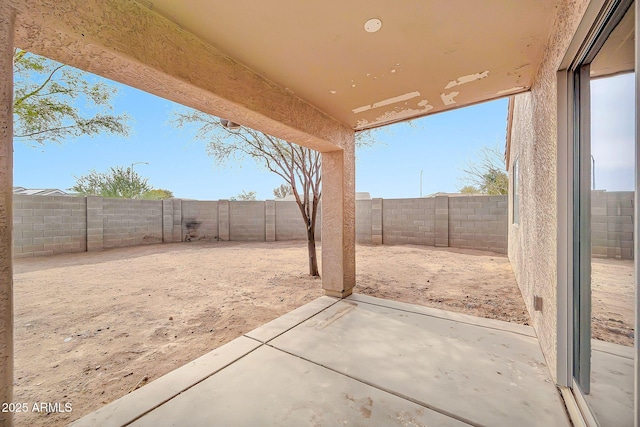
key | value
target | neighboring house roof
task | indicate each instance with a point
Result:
(39, 191)
(289, 198)
(440, 193)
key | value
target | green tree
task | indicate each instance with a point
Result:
(496, 182)
(157, 194)
(118, 182)
(245, 196)
(486, 173)
(45, 97)
(282, 191)
(469, 189)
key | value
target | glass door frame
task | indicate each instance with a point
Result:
(573, 96)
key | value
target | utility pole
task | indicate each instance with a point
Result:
(137, 163)
(593, 171)
(421, 182)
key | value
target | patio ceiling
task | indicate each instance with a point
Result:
(617, 55)
(427, 56)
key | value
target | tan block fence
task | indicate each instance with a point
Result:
(47, 225)
(612, 224)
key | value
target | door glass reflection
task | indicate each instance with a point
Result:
(612, 110)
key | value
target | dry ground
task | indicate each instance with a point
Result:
(92, 327)
(612, 298)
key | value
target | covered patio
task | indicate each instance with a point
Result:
(315, 74)
(356, 361)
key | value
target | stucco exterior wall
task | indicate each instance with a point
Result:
(533, 242)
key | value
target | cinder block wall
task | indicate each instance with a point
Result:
(129, 222)
(363, 222)
(612, 224)
(289, 224)
(47, 225)
(478, 222)
(177, 221)
(408, 221)
(55, 224)
(204, 212)
(246, 221)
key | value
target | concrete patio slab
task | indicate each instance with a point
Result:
(484, 375)
(128, 408)
(611, 397)
(349, 362)
(269, 387)
(444, 314)
(278, 326)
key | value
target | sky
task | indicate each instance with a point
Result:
(439, 146)
(613, 132)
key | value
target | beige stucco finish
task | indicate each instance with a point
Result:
(6, 195)
(126, 42)
(338, 222)
(428, 56)
(533, 144)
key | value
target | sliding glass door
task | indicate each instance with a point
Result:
(604, 224)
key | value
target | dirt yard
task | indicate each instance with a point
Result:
(92, 327)
(612, 298)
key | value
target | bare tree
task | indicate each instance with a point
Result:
(486, 174)
(298, 166)
(282, 191)
(245, 196)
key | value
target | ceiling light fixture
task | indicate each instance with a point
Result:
(228, 124)
(372, 25)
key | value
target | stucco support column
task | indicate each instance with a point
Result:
(339, 221)
(7, 21)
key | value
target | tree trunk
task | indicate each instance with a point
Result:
(311, 245)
